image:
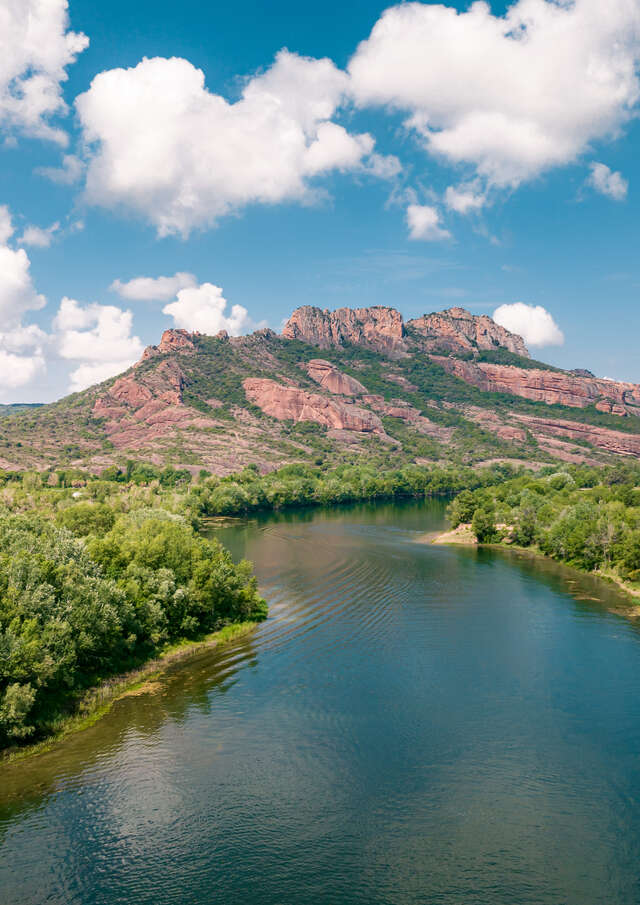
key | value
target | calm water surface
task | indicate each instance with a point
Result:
(413, 724)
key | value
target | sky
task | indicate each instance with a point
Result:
(214, 166)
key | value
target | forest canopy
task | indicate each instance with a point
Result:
(75, 610)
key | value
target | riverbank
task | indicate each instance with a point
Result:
(463, 535)
(98, 701)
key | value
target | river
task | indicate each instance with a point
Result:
(413, 724)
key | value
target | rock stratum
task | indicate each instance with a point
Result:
(551, 387)
(433, 389)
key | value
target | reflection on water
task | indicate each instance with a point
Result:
(412, 724)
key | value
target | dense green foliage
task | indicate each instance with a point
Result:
(587, 517)
(75, 611)
(304, 485)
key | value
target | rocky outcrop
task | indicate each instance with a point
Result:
(548, 386)
(398, 408)
(382, 329)
(456, 329)
(333, 380)
(376, 328)
(291, 403)
(172, 341)
(138, 409)
(603, 438)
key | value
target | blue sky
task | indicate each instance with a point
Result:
(455, 158)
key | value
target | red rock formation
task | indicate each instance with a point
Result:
(333, 380)
(376, 328)
(171, 341)
(601, 437)
(456, 329)
(291, 403)
(138, 409)
(398, 408)
(548, 386)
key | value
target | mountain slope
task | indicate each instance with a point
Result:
(333, 387)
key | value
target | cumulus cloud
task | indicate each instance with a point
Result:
(424, 223)
(162, 145)
(512, 95)
(35, 49)
(38, 236)
(6, 224)
(153, 289)
(464, 198)
(532, 322)
(98, 337)
(67, 173)
(21, 347)
(202, 309)
(17, 292)
(605, 181)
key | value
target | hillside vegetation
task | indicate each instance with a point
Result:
(186, 404)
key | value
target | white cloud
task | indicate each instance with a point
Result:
(38, 236)
(97, 336)
(464, 198)
(17, 292)
(162, 145)
(605, 181)
(532, 322)
(424, 223)
(150, 289)
(19, 370)
(510, 95)
(69, 172)
(35, 49)
(21, 347)
(202, 309)
(6, 224)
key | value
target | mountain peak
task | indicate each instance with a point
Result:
(382, 328)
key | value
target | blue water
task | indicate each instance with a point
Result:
(413, 724)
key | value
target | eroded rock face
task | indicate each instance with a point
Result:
(172, 341)
(456, 329)
(548, 386)
(138, 409)
(376, 328)
(291, 403)
(333, 380)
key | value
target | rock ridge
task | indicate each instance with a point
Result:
(457, 329)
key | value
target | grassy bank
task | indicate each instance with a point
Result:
(98, 701)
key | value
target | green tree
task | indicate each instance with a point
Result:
(83, 519)
(483, 525)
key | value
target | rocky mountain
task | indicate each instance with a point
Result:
(448, 386)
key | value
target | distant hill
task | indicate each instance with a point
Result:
(335, 386)
(14, 407)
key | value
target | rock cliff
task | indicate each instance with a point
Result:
(171, 341)
(376, 328)
(383, 330)
(294, 404)
(456, 329)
